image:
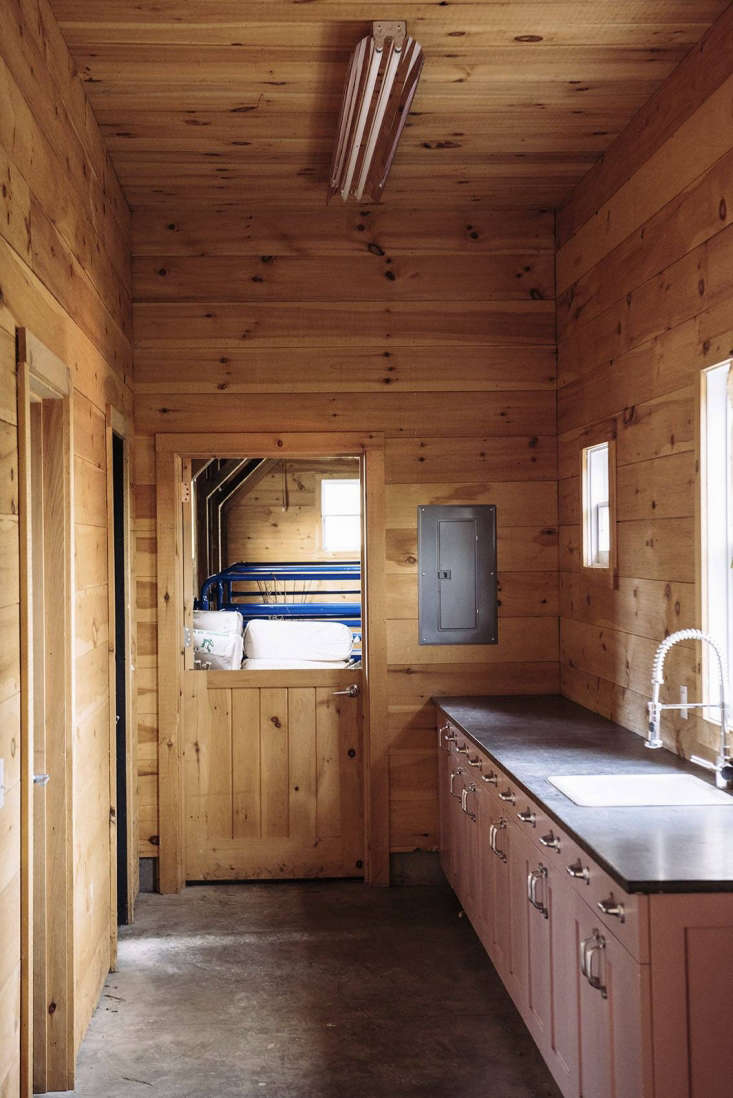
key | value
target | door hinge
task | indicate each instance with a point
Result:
(186, 637)
(185, 493)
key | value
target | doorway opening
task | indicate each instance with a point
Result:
(273, 769)
(277, 563)
(121, 672)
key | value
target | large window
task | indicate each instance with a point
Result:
(717, 520)
(341, 515)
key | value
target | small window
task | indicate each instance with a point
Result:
(596, 506)
(717, 522)
(341, 515)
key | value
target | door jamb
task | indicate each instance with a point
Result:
(170, 450)
(41, 373)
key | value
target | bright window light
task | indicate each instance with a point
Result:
(596, 510)
(717, 521)
(341, 515)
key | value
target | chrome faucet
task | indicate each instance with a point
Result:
(723, 765)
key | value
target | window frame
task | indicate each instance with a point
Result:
(709, 675)
(335, 514)
(607, 570)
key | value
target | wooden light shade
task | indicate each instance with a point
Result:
(380, 85)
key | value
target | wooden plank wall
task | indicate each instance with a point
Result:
(645, 301)
(64, 273)
(434, 327)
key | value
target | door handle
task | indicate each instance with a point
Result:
(41, 779)
(590, 947)
(453, 775)
(350, 691)
(464, 800)
(533, 878)
(494, 835)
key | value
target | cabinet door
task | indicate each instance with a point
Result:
(468, 831)
(523, 928)
(613, 1013)
(445, 757)
(560, 1047)
(501, 905)
(484, 924)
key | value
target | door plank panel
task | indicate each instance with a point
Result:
(246, 764)
(271, 790)
(302, 763)
(274, 763)
(328, 809)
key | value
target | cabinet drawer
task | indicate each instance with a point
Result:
(625, 915)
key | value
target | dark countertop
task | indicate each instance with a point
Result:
(672, 849)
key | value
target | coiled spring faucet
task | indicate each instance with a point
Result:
(723, 764)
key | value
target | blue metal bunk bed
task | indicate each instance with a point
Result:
(277, 601)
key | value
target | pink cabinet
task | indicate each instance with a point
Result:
(626, 995)
(543, 948)
(613, 1013)
(691, 953)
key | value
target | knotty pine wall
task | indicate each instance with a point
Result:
(434, 327)
(64, 273)
(645, 285)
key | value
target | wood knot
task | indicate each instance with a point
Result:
(276, 721)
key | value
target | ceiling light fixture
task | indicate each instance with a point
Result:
(380, 85)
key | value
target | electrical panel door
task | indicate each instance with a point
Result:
(457, 575)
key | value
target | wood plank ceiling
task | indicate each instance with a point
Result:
(237, 100)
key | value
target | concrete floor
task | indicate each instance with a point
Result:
(306, 990)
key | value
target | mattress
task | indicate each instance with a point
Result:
(292, 665)
(314, 641)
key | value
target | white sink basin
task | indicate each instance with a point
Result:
(642, 790)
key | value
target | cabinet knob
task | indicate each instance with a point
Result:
(507, 795)
(577, 869)
(527, 817)
(551, 840)
(611, 907)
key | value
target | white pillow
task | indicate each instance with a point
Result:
(217, 651)
(298, 640)
(219, 621)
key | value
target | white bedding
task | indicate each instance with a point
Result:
(303, 641)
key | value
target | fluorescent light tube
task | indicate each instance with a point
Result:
(380, 85)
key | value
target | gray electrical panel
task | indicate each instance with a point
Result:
(457, 575)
